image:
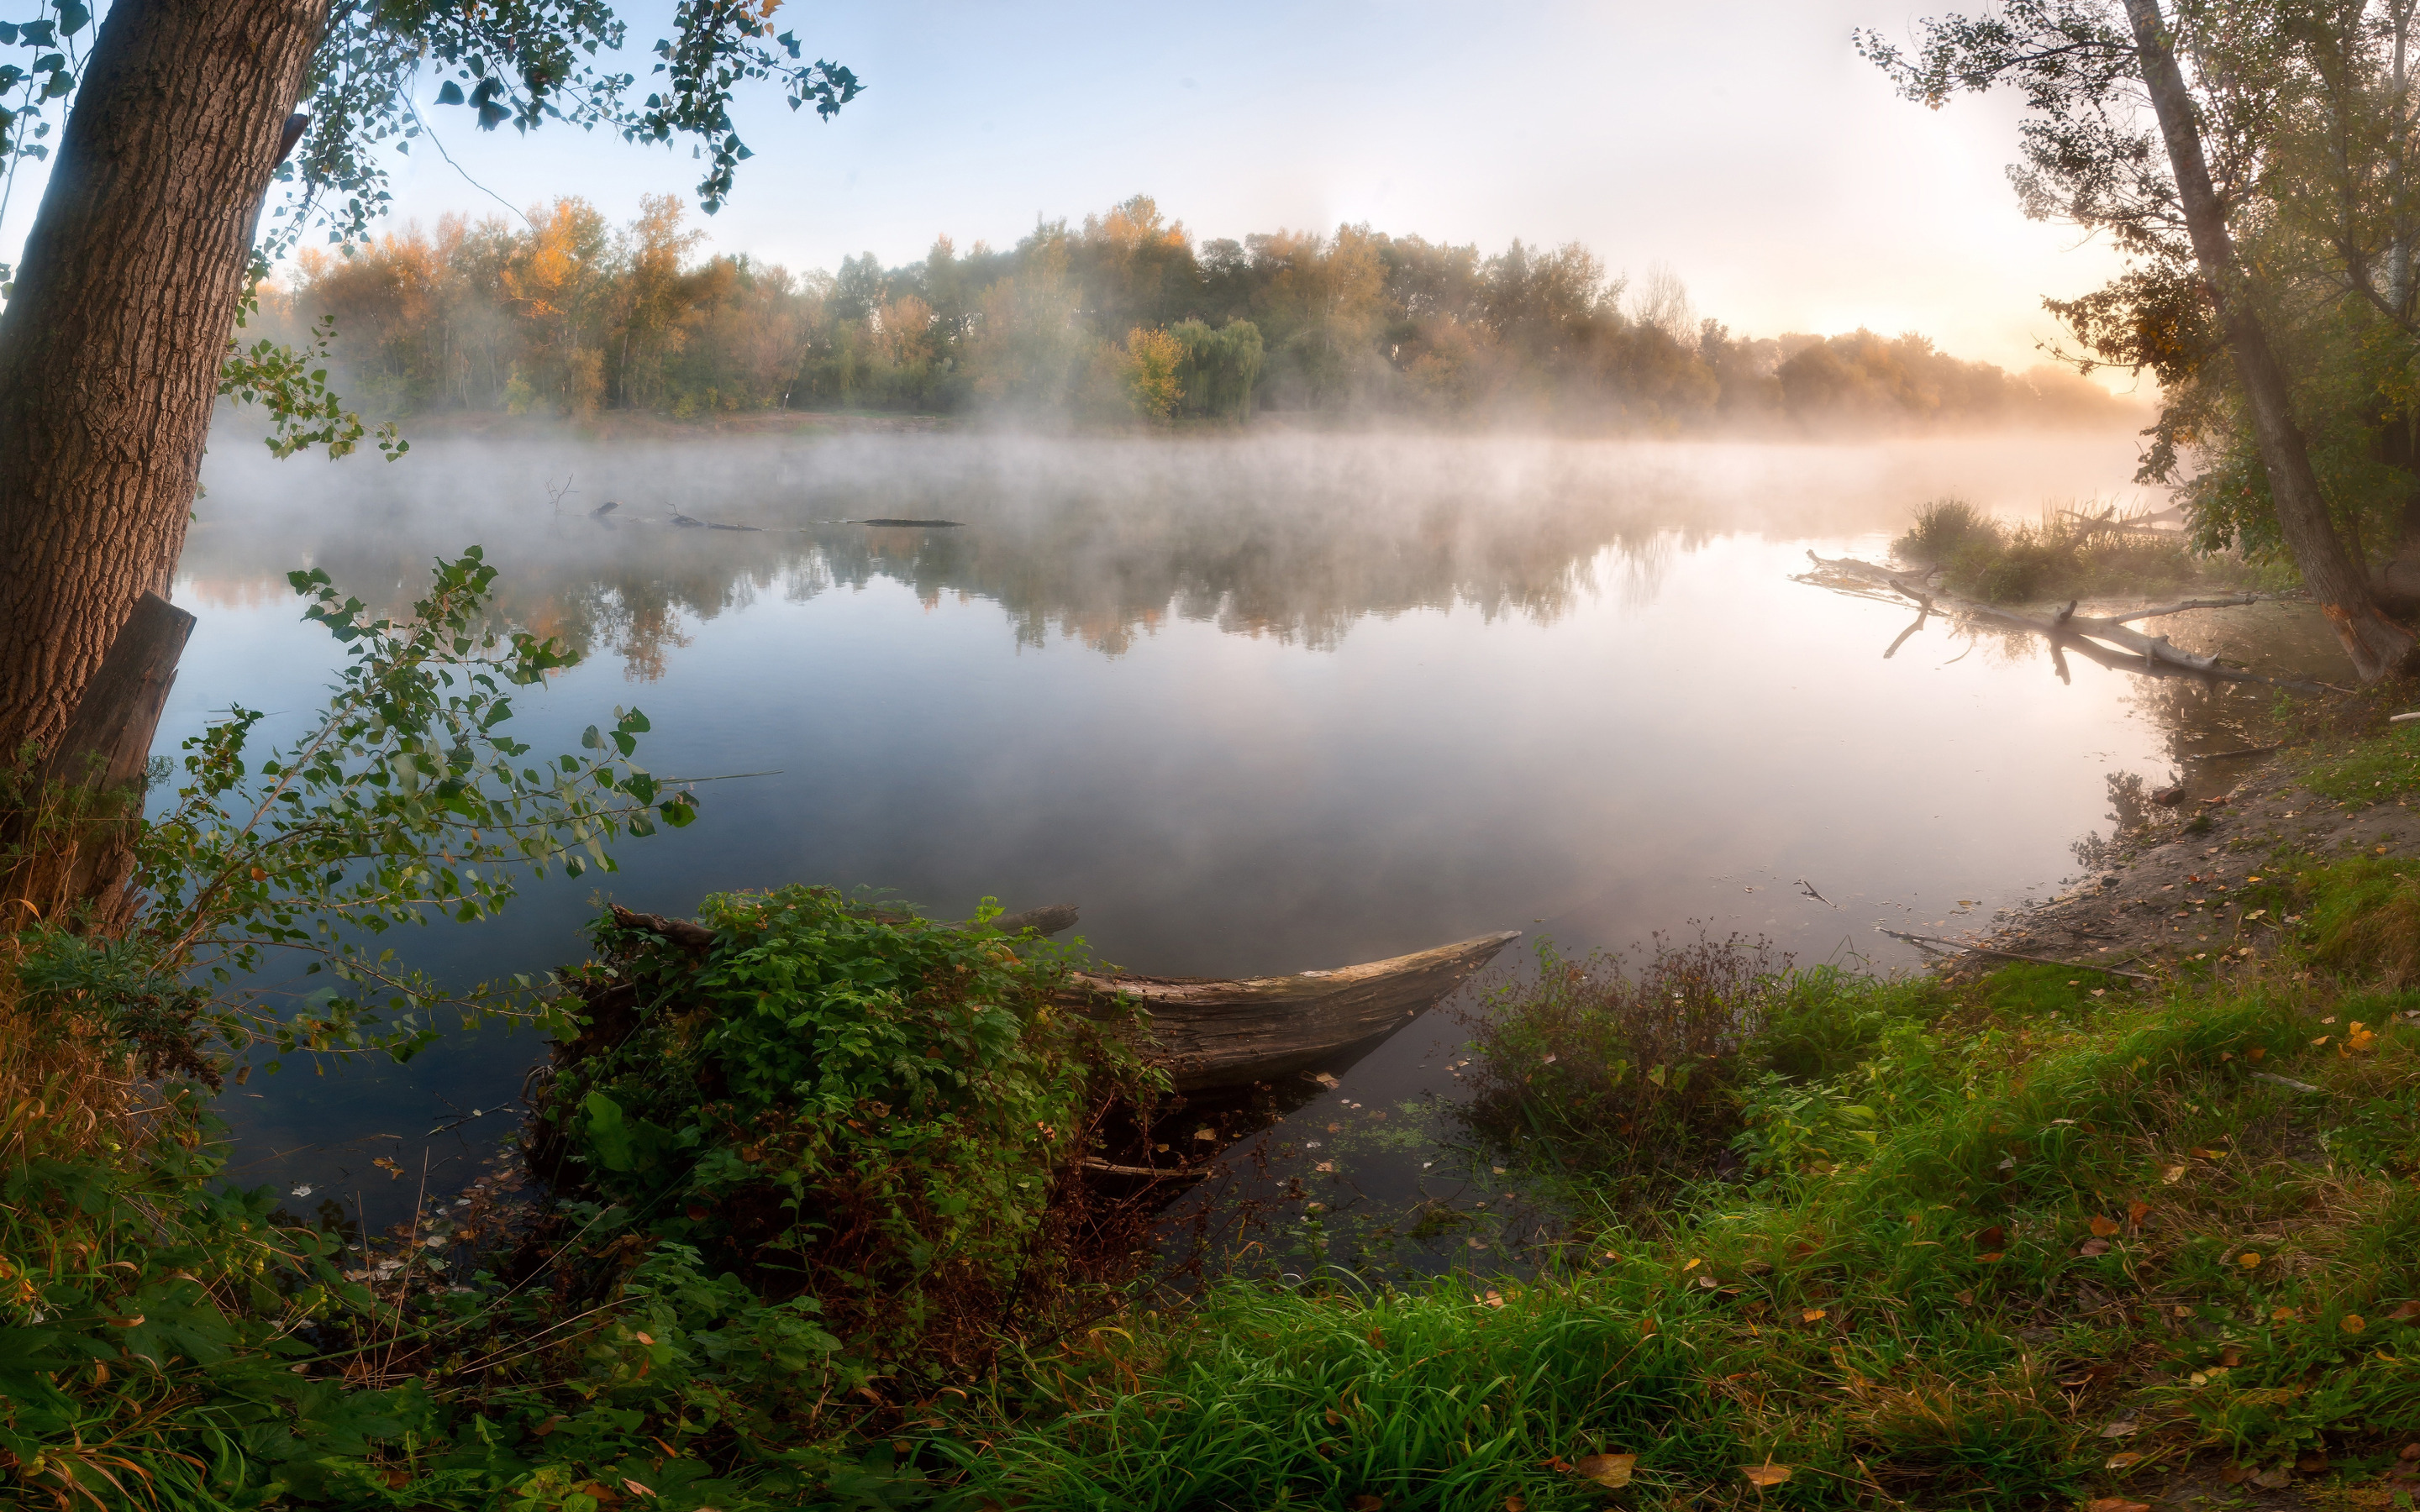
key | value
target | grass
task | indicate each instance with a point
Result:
(2378, 769)
(2068, 553)
(2041, 1237)
(1943, 527)
(1951, 1270)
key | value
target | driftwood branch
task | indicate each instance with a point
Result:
(2187, 606)
(2152, 654)
(1933, 940)
(681, 931)
(1148, 1173)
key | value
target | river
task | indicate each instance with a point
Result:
(1255, 704)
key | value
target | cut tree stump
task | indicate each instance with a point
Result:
(74, 852)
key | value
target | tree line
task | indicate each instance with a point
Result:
(1122, 317)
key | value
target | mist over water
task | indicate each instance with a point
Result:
(1256, 705)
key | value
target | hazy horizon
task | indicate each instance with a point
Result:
(1748, 149)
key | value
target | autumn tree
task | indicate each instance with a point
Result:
(149, 236)
(2090, 157)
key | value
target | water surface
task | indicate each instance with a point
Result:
(1256, 705)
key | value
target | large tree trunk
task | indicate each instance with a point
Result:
(111, 343)
(2377, 644)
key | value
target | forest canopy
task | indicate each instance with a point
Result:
(1122, 317)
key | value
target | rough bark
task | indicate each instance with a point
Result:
(2377, 645)
(72, 850)
(111, 343)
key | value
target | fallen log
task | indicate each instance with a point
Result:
(2156, 653)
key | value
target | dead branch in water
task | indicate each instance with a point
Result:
(2127, 649)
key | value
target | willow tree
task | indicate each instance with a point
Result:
(2171, 203)
(117, 338)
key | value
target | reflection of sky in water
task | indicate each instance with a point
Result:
(1256, 707)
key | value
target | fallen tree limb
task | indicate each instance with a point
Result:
(2152, 654)
(1147, 1172)
(1968, 945)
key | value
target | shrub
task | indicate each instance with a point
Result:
(865, 1109)
(1624, 1075)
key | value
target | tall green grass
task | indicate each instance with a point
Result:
(1946, 1272)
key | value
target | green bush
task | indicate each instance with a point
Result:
(866, 1109)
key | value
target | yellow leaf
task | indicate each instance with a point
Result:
(2352, 1323)
(1763, 1475)
(1693, 1265)
(1813, 1315)
(2103, 1227)
(2322, 1040)
(2249, 1260)
(1612, 1471)
(2173, 1175)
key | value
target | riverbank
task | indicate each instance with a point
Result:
(2013, 1234)
(2001, 1238)
(2232, 860)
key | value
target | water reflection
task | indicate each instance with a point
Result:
(1256, 706)
(1099, 542)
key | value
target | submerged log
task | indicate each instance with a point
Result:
(1209, 1032)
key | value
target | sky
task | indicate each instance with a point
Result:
(1745, 145)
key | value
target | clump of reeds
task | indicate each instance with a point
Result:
(1943, 527)
(2068, 552)
(1626, 1074)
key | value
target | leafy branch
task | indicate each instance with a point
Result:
(406, 799)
